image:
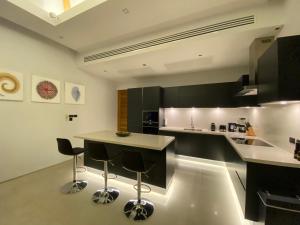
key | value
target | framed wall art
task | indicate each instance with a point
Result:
(45, 90)
(74, 93)
(11, 85)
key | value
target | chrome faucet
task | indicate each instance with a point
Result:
(192, 122)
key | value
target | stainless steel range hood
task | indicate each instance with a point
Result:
(249, 83)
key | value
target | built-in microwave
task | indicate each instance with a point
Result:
(150, 117)
(150, 122)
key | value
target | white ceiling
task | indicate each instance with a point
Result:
(217, 51)
(106, 23)
(117, 22)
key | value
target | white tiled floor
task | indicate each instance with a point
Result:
(200, 194)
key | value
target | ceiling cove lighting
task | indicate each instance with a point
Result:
(56, 12)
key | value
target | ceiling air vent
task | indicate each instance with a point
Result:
(174, 37)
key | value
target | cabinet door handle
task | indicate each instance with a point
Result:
(276, 207)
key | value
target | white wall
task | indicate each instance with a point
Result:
(28, 130)
(291, 18)
(201, 77)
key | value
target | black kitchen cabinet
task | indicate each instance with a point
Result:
(270, 178)
(152, 98)
(247, 100)
(135, 107)
(189, 96)
(278, 71)
(170, 97)
(202, 96)
(199, 145)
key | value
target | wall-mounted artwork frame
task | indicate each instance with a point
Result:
(45, 90)
(74, 93)
(11, 85)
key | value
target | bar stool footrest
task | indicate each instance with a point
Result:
(81, 169)
(110, 176)
(147, 188)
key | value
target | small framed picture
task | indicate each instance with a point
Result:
(45, 90)
(11, 85)
(74, 93)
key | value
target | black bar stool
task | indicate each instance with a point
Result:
(137, 209)
(98, 152)
(65, 147)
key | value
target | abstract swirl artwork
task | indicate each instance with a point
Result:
(11, 85)
(45, 90)
(74, 93)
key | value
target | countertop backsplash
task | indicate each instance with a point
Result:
(277, 123)
(203, 117)
(273, 123)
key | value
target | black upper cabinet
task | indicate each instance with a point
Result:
(188, 96)
(207, 95)
(135, 107)
(170, 97)
(247, 100)
(278, 71)
(152, 98)
(139, 99)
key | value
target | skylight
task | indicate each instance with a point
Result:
(56, 11)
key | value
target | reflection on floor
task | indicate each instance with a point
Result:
(200, 194)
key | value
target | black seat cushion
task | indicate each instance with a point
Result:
(78, 150)
(97, 151)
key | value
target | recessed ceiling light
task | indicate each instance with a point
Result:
(125, 11)
(52, 15)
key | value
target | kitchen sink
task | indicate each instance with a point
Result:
(247, 141)
(193, 129)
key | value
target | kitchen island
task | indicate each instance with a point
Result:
(156, 149)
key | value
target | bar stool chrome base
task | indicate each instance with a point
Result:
(105, 196)
(74, 187)
(139, 211)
